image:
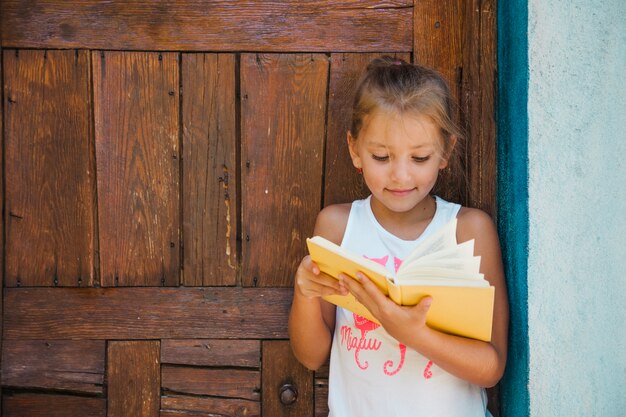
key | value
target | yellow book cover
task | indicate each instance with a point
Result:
(437, 267)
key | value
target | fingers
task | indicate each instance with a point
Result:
(311, 282)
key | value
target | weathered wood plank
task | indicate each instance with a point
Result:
(42, 405)
(211, 352)
(281, 369)
(177, 405)
(283, 113)
(321, 397)
(343, 184)
(251, 25)
(210, 176)
(136, 107)
(133, 379)
(156, 313)
(63, 365)
(49, 169)
(229, 383)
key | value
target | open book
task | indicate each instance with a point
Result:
(438, 266)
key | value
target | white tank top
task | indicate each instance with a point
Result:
(372, 374)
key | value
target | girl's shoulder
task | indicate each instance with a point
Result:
(331, 222)
(473, 223)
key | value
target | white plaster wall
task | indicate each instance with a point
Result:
(577, 207)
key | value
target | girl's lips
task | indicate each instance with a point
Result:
(400, 193)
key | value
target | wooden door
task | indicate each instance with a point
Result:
(163, 163)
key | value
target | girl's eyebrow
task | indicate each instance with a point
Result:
(383, 145)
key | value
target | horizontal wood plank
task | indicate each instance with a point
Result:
(49, 169)
(211, 352)
(174, 405)
(228, 383)
(43, 405)
(64, 365)
(156, 313)
(250, 25)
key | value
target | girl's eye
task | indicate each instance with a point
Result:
(380, 157)
(421, 158)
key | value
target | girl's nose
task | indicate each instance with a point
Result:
(399, 171)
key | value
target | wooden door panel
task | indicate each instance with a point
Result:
(136, 107)
(184, 406)
(210, 174)
(283, 108)
(49, 169)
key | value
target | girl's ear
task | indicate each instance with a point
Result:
(354, 155)
(448, 151)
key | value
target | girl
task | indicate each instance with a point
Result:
(401, 136)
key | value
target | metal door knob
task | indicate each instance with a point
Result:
(288, 394)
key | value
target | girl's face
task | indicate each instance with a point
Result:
(401, 156)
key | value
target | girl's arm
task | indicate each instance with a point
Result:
(481, 363)
(312, 320)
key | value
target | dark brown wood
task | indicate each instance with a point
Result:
(210, 174)
(146, 313)
(177, 405)
(283, 113)
(251, 25)
(62, 365)
(280, 368)
(211, 352)
(136, 106)
(232, 383)
(49, 172)
(342, 183)
(479, 63)
(42, 405)
(133, 379)
(321, 397)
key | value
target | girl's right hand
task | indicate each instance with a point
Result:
(311, 283)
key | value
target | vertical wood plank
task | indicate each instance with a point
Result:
(283, 114)
(134, 379)
(136, 107)
(49, 182)
(210, 174)
(478, 101)
(44, 405)
(437, 43)
(342, 183)
(281, 369)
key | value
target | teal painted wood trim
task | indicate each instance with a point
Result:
(512, 122)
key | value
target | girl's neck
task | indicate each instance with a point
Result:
(408, 225)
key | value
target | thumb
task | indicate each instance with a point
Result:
(425, 303)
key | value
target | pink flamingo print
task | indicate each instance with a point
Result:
(427, 372)
(364, 325)
(389, 363)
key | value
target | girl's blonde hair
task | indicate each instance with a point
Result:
(395, 86)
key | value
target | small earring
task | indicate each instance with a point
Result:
(359, 170)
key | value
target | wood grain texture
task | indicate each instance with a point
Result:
(212, 352)
(280, 367)
(283, 114)
(185, 406)
(342, 183)
(44, 405)
(250, 25)
(61, 365)
(155, 313)
(321, 397)
(133, 379)
(49, 169)
(210, 174)
(231, 383)
(136, 107)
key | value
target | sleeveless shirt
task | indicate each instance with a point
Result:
(371, 373)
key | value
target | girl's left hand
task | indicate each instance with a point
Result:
(403, 323)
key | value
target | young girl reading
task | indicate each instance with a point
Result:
(402, 135)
